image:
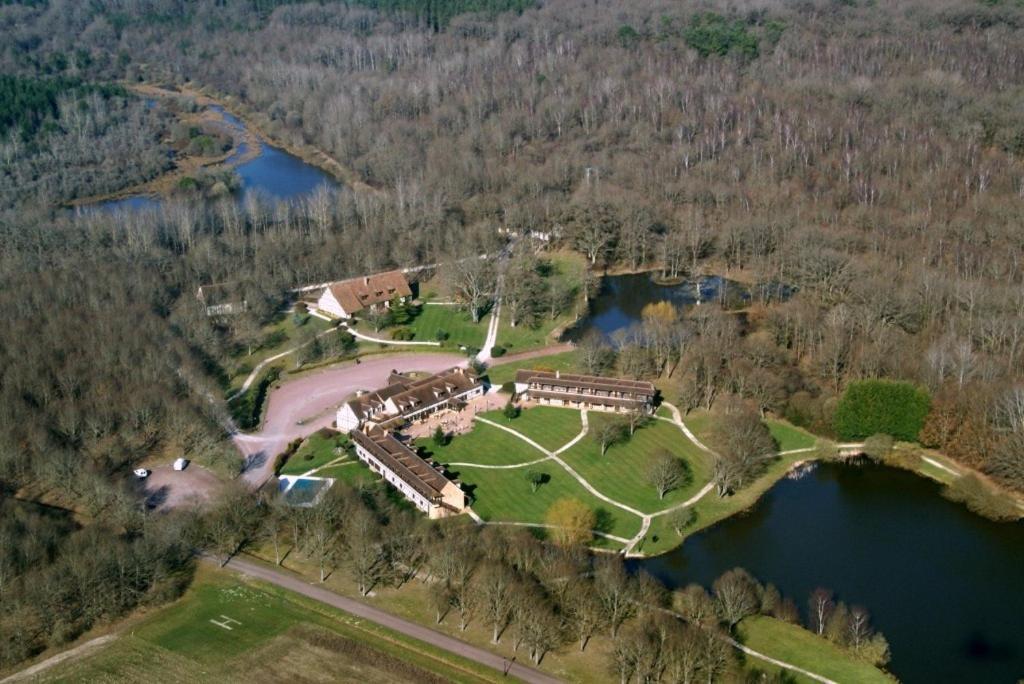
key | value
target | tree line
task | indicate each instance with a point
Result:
(536, 596)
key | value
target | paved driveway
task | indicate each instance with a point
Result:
(302, 406)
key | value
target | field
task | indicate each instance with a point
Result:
(226, 629)
(804, 649)
(550, 427)
(500, 373)
(453, 320)
(317, 450)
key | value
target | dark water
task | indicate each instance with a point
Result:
(617, 307)
(274, 175)
(945, 586)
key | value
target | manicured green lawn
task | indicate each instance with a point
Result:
(452, 319)
(621, 473)
(550, 427)
(319, 448)
(353, 473)
(802, 648)
(506, 495)
(789, 436)
(567, 274)
(485, 445)
(500, 373)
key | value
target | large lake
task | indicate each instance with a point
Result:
(945, 586)
(274, 175)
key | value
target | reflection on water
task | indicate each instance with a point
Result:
(622, 298)
(274, 175)
(945, 586)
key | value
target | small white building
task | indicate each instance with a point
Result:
(346, 298)
(222, 299)
(408, 398)
(420, 482)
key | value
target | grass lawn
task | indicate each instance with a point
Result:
(804, 649)
(453, 320)
(550, 427)
(485, 445)
(505, 495)
(622, 472)
(789, 436)
(354, 473)
(500, 373)
(568, 269)
(319, 448)
(274, 636)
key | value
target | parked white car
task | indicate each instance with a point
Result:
(141, 473)
(180, 464)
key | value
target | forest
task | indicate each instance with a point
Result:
(865, 155)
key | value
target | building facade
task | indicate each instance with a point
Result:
(588, 392)
(407, 398)
(418, 480)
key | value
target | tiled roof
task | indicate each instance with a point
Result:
(356, 294)
(411, 394)
(405, 463)
(573, 381)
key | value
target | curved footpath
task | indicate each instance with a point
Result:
(392, 622)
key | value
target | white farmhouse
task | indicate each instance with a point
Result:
(346, 298)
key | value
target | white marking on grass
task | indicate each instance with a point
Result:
(225, 622)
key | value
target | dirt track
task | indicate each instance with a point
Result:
(302, 406)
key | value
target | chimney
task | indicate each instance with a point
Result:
(558, 374)
(366, 280)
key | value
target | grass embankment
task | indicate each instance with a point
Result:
(567, 274)
(272, 635)
(319, 449)
(501, 372)
(805, 649)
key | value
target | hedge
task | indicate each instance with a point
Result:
(871, 407)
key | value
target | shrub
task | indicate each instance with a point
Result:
(403, 334)
(870, 407)
(982, 499)
(441, 335)
(497, 351)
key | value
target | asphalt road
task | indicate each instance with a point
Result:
(393, 622)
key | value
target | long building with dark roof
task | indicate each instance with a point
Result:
(407, 398)
(591, 392)
(419, 481)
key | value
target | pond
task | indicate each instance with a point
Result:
(274, 174)
(945, 586)
(622, 298)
